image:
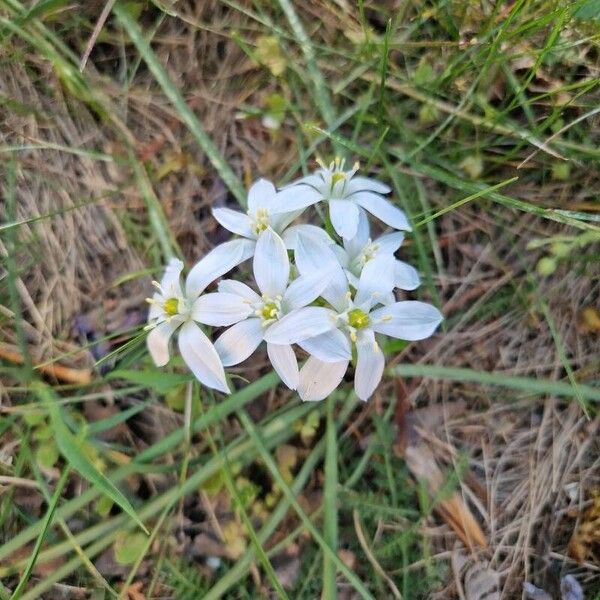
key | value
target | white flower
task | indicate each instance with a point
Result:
(266, 210)
(345, 193)
(360, 249)
(271, 271)
(174, 307)
(351, 321)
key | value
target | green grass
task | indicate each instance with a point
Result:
(412, 95)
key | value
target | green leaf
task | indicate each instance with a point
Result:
(154, 379)
(128, 547)
(74, 452)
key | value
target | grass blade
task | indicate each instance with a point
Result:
(330, 529)
(523, 384)
(74, 453)
(263, 452)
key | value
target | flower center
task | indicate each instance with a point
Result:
(260, 221)
(269, 311)
(358, 319)
(338, 176)
(171, 306)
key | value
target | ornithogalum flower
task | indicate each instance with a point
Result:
(174, 307)
(360, 249)
(345, 193)
(351, 321)
(277, 298)
(266, 210)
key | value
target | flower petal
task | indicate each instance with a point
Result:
(408, 320)
(313, 257)
(344, 217)
(383, 209)
(158, 341)
(239, 342)
(376, 280)
(406, 276)
(279, 221)
(304, 290)
(318, 379)
(355, 245)
(300, 325)
(389, 242)
(312, 232)
(201, 357)
(261, 195)
(231, 286)
(234, 221)
(365, 184)
(315, 180)
(284, 362)
(217, 262)
(170, 284)
(296, 197)
(369, 365)
(220, 309)
(331, 346)
(271, 264)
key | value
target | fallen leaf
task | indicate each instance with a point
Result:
(421, 462)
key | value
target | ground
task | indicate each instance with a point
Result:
(472, 470)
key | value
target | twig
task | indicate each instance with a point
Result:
(66, 374)
(97, 29)
(365, 546)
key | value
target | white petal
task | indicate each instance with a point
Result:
(344, 217)
(220, 309)
(318, 379)
(369, 365)
(217, 262)
(231, 286)
(376, 280)
(389, 242)
(234, 221)
(409, 320)
(296, 197)
(261, 195)
(201, 357)
(170, 283)
(158, 341)
(284, 362)
(304, 290)
(355, 244)
(364, 184)
(271, 264)
(240, 341)
(406, 276)
(383, 209)
(313, 257)
(290, 235)
(331, 346)
(280, 221)
(313, 180)
(300, 325)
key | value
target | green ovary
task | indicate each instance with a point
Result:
(358, 318)
(269, 311)
(171, 306)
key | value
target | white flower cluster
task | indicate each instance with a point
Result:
(331, 301)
